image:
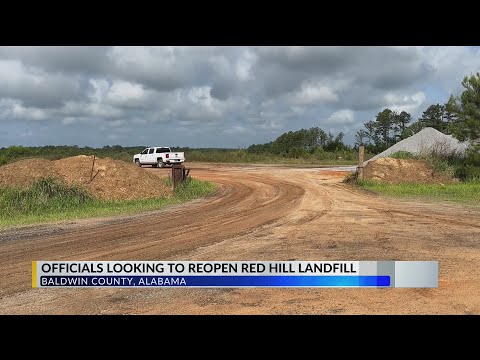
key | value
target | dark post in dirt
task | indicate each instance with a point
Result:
(178, 171)
(91, 173)
(360, 162)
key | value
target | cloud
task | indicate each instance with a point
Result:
(408, 103)
(451, 64)
(35, 86)
(216, 96)
(238, 130)
(60, 59)
(341, 117)
(13, 110)
(310, 94)
(244, 65)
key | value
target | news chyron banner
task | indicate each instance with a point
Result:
(235, 274)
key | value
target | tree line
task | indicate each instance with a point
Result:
(301, 143)
(459, 116)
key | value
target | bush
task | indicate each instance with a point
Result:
(453, 164)
(403, 155)
(43, 195)
(469, 167)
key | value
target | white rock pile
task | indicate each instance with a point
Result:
(426, 141)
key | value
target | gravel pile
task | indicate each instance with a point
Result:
(425, 141)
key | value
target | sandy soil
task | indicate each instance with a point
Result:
(259, 213)
(396, 171)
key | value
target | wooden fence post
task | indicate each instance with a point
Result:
(178, 174)
(93, 165)
(360, 161)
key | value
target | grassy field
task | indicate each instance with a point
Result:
(245, 157)
(319, 157)
(234, 156)
(465, 193)
(47, 200)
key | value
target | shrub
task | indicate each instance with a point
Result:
(42, 195)
(403, 155)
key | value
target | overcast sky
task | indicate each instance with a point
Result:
(214, 96)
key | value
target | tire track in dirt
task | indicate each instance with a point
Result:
(327, 202)
(447, 220)
(245, 203)
(317, 202)
(426, 211)
(313, 195)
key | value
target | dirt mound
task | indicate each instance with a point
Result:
(396, 171)
(110, 179)
(22, 173)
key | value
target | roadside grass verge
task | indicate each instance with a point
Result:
(463, 192)
(49, 200)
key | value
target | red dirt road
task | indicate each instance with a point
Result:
(258, 213)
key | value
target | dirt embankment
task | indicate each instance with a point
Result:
(110, 179)
(394, 171)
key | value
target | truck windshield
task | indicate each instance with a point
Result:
(162, 150)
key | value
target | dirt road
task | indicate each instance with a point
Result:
(258, 213)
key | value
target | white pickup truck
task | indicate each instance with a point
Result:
(158, 157)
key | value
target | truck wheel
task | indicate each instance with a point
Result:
(137, 162)
(160, 163)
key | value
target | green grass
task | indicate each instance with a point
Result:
(48, 200)
(465, 193)
(403, 155)
(245, 157)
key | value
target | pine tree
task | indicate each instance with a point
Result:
(466, 109)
